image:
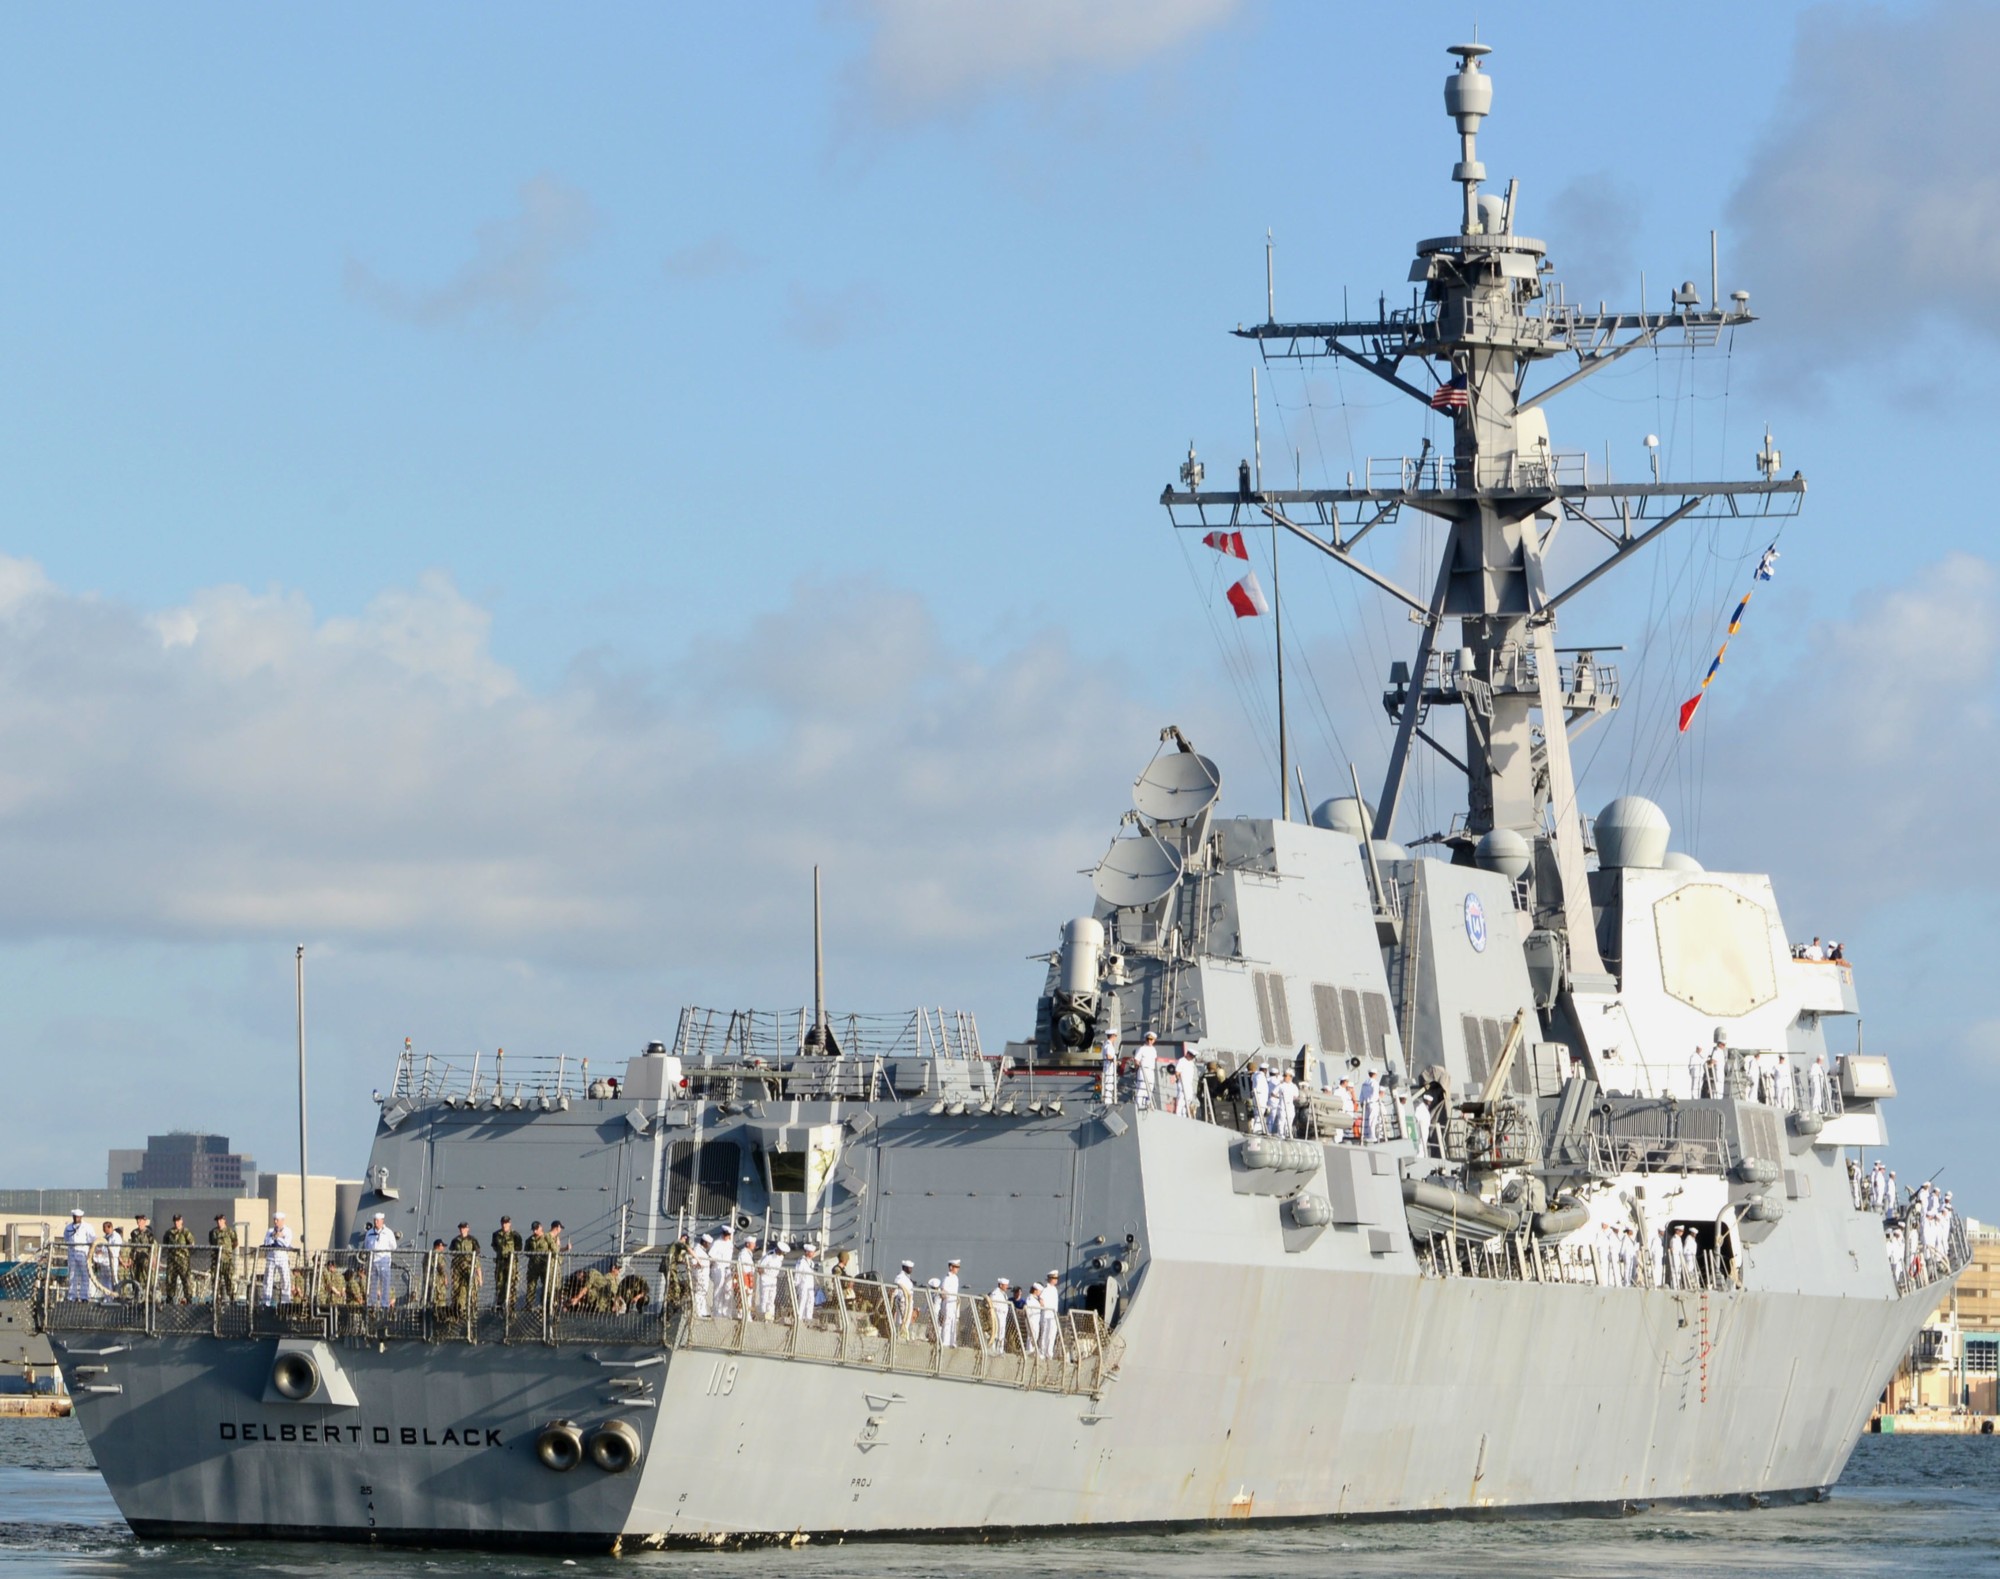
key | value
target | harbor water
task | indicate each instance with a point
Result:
(1929, 1504)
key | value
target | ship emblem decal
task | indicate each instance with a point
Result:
(1475, 923)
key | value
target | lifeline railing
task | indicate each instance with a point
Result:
(1523, 1258)
(810, 1314)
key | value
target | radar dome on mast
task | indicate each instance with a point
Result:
(1632, 831)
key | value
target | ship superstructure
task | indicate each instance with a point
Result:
(1527, 1172)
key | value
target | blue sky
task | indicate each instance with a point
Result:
(495, 495)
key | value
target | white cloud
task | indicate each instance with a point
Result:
(514, 274)
(1870, 757)
(1873, 205)
(239, 768)
(926, 59)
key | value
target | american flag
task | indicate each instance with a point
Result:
(1452, 396)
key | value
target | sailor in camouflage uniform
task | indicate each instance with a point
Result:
(539, 1248)
(175, 1258)
(139, 1242)
(222, 1250)
(506, 1261)
(464, 1270)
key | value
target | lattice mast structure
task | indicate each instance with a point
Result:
(1484, 314)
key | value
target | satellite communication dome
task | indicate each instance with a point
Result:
(1176, 786)
(1136, 872)
(1387, 850)
(1504, 851)
(1632, 831)
(1680, 861)
(1344, 814)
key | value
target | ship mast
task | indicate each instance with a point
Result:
(1477, 325)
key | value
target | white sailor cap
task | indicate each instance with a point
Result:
(1054, 1273)
(378, 1217)
(782, 1248)
(954, 1261)
(936, 1283)
(277, 1217)
(76, 1211)
(1003, 1283)
(1152, 1036)
(708, 1239)
(808, 1249)
(909, 1266)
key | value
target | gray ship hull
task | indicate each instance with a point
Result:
(1254, 1381)
(1401, 1403)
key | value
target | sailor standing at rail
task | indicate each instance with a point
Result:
(903, 1300)
(722, 1273)
(999, 1304)
(1371, 1121)
(1285, 1105)
(78, 1237)
(1698, 1073)
(1146, 1061)
(380, 1244)
(948, 1302)
(805, 1284)
(1690, 1262)
(1107, 1080)
(1051, 1314)
(746, 1277)
(1628, 1262)
(1188, 1069)
(1260, 1097)
(698, 1272)
(278, 1247)
(1816, 1084)
(1788, 1093)
(769, 1266)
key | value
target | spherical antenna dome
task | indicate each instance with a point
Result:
(1506, 852)
(1632, 831)
(1344, 814)
(1681, 861)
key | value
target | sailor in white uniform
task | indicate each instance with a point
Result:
(1051, 1315)
(769, 1266)
(1371, 1119)
(104, 1262)
(1698, 1074)
(805, 1284)
(722, 1274)
(78, 1237)
(1690, 1262)
(999, 1306)
(278, 1247)
(1817, 1094)
(1788, 1096)
(1260, 1097)
(1189, 1073)
(948, 1304)
(903, 1300)
(1285, 1105)
(1108, 1077)
(1146, 1061)
(700, 1269)
(745, 1282)
(380, 1244)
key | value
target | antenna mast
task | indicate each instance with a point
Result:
(1467, 347)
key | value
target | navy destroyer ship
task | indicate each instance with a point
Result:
(1529, 1171)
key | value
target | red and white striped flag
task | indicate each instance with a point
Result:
(1230, 543)
(1247, 598)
